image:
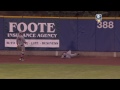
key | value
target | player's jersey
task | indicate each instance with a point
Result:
(66, 55)
(20, 40)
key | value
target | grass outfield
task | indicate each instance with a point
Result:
(58, 71)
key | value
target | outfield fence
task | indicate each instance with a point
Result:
(57, 34)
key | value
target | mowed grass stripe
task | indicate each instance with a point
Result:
(58, 71)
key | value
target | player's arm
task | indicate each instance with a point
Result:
(17, 40)
(63, 55)
(18, 48)
(24, 40)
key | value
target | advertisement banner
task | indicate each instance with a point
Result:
(38, 32)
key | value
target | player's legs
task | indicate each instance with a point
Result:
(22, 52)
(65, 56)
(69, 52)
(19, 48)
(73, 55)
(68, 56)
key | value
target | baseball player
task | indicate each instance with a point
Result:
(69, 54)
(20, 44)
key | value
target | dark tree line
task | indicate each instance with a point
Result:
(60, 13)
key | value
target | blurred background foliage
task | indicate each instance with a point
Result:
(60, 13)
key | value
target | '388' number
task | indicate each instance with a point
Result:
(105, 24)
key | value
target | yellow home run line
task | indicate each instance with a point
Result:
(58, 17)
(12, 16)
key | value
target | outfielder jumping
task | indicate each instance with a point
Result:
(20, 45)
